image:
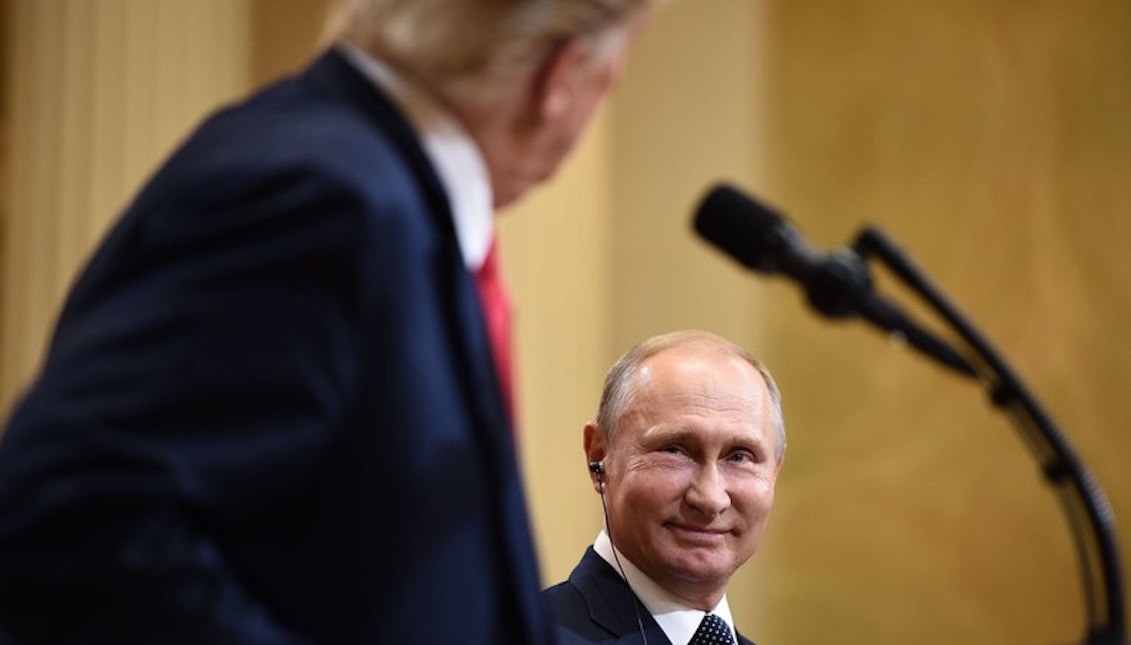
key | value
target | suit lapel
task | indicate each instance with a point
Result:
(467, 330)
(611, 603)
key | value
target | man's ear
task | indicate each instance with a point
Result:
(595, 446)
(561, 77)
(595, 450)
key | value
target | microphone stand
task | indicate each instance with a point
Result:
(1089, 514)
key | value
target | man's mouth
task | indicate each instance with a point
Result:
(698, 534)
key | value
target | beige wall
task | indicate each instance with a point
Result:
(991, 139)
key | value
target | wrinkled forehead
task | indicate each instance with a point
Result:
(697, 368)
(694, 383)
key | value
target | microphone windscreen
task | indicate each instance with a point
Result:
(743, 228)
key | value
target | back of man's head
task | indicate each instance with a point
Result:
(467, 51)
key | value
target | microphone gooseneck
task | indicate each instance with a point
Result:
(836, 284)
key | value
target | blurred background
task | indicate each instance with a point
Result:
(990, 138)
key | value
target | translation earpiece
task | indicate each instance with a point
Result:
(597, 469)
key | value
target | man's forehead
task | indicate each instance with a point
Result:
(688, 371)
(703, 433)
(695, 408)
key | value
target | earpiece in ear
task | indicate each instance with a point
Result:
(597, 469)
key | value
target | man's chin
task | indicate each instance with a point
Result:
(513, 194)
(700, 566)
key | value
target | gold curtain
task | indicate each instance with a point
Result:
(98, 92)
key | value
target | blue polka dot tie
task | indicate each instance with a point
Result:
(712, 631)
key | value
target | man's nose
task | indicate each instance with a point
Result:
(707, 493)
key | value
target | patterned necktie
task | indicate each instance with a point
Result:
(712, 631)
(497, 314)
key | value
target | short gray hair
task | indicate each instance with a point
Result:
(620, 383)
(467, 51)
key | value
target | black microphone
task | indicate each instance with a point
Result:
(836, 284)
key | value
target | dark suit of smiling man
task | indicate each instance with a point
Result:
(685, 452)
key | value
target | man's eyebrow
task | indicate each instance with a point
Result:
(657, 435)
(664, 435)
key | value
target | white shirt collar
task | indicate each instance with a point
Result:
(675, 618)
(454, 155)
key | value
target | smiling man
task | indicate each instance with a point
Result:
(685, 452)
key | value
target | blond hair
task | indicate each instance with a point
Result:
(469, 51)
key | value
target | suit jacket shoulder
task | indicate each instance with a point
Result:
(595, 605)
(279, 332)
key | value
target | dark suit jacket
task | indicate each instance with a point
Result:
(596, 606)
(269, 412)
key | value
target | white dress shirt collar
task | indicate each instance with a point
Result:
(675, 618)
(454, 155)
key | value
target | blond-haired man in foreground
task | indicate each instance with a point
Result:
(274, 408)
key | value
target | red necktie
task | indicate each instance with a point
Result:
(497, 313)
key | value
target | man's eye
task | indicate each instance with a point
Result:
(741, 457)
(672, 450)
